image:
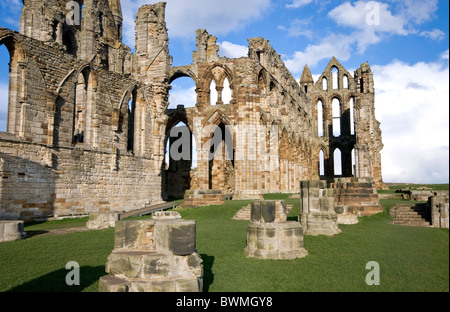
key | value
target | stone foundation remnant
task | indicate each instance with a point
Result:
(355, 197)
(270, 236)
(102, 220)
(201, 198)
(11, 230)
(157, 255)
(317, 214)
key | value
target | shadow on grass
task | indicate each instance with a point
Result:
(208, 276)
(56, 281)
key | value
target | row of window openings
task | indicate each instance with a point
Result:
(335, 77)
(337, 163)
(184, 93)
(336, 115)
(220, 96)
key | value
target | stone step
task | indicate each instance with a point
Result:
(412, 215)
(413, 223)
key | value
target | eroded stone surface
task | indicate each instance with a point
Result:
(270, 236)
(154, 255)
(89, 121)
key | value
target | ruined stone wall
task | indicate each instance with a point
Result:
(268, 119)
(88, 122)
(90, 30)
(348, 122)
(55, 162)
(38, 181)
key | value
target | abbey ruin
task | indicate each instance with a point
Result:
(89, 125)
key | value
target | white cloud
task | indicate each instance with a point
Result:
(231, 50)
(370, 22)
(333, 45)
(184, 17)
(12, 5)
(417, 11)
(412, 104)
(435, 34)
(183, 93)
(445, 56)
(299, 27)
(298, 4)
(368, 15)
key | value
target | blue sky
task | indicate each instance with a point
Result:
(406, 42)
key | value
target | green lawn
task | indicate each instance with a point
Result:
(410, 258)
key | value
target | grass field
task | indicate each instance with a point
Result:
(411, 259)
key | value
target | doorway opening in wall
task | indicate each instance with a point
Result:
(353, 162)
(221, 159)
(180, 162)
(4, 87)
(182, 93)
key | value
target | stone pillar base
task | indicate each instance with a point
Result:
(320, 223)
(270, 236)
(155, 255)
(276, 241)
(11, 230)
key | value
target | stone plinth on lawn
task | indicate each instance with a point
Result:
(11, 230)
(155, 255)
(270, 236)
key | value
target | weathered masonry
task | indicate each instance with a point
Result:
(89, 125)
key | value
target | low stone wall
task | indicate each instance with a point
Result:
(41, 182)
(201, 198)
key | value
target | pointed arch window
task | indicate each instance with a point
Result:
(320, 131)
(337, 158)
(325, 84)
(226, 92)
(213, 93)
(352, 116)
(336, 107)
(345, 83)
(335, 76)
(81, 99)
(4, 71)
(321, 163)
(131, 120)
